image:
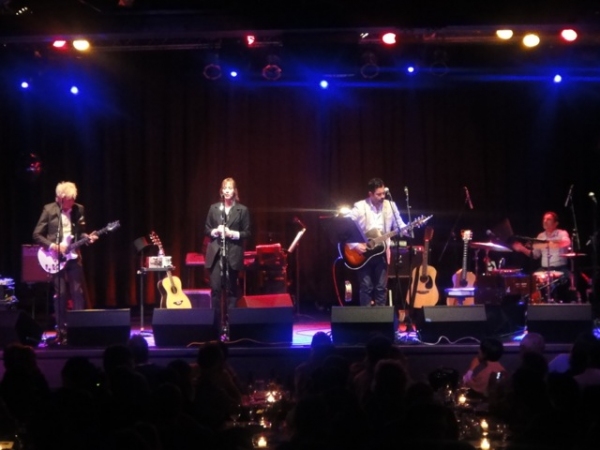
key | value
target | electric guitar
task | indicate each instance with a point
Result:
(171, 294)
(376, 244)
(423, 291)
(53, 262)
(462, 278)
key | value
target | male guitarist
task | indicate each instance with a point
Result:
(374, 215)
(61, 223)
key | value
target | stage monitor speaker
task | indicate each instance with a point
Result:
(180, 327)
(355, 325)
(199, 298)
(98, 327)
(560, 323)
(261, 325)
(265, 301)
(18, 326)
(453, 322)
(31, 271)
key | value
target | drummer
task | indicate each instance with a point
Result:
(549, 247)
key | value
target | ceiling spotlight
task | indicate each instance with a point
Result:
(271, 72)
(531, 40)
(389, 38)
(212, 71)
(369, 69)
(504, 34)
(81, 44)
(568, 35)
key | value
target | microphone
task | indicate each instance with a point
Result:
(406, 190)
(593, 197)
(491, 234)
(569, 195)
(387, 192)
(468, 197)
(299, 222)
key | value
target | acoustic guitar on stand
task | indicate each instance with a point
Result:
(171, 294)
(376, 244)
(423, 291)
(463, 278)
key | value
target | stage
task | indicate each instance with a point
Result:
(350, 327)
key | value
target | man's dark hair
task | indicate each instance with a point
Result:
(375, 183)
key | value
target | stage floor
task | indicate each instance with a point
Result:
(277, 361)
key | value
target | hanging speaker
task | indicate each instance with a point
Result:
(98, 327)
(180, 327)
(560, 323)
(18, 326)
(352, 325)
(263, 325)
(453, 322)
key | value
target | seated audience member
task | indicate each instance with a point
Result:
(485, 364)
(321, 347)
(141, 358)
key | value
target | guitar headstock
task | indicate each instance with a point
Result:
(156, 241)
(428, 234)
(467, 235)
(113, 225)
(419, 221)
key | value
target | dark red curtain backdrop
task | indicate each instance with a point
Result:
(148, 141)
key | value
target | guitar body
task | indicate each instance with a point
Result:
(376, 245)
(459, 282)
(426, 291)
(355, 260)
(171, 294)
(51, 261)
(54, 262)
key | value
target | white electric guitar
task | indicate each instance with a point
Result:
(53, 262)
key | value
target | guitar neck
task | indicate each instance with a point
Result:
(464, 263)
(75, 245)
(425, 256)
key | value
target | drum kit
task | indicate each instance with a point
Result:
(539, 286)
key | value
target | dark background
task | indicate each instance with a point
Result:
(149, 139)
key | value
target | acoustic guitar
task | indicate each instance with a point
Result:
(376, 244)
(53, 262)
(424, 291)
(171, 294)
(463, 278)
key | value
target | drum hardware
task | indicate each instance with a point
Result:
(573, 255)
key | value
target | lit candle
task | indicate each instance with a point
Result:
(484, 426)
(462, 399)
(270, 397)
(485, 444)
(262, 442)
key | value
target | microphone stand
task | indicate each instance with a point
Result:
(397, 259)
(58, 282)
(576, 247)
(224, 275)
(594, 242)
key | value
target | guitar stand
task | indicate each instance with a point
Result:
(141, 272)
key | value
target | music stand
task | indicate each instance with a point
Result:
(141, 244)
(342, 230)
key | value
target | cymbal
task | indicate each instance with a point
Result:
(490, 246)
(573, 255)
(531, 239)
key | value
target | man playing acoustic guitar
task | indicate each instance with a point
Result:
(374, 215)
